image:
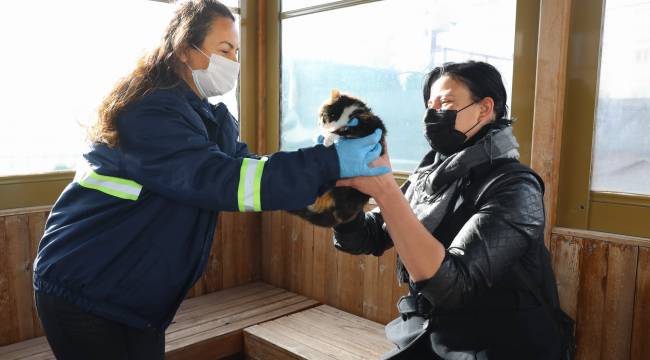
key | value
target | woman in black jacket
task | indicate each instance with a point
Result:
(468, 227)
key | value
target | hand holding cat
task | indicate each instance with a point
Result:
(356, 154)
(374, 186)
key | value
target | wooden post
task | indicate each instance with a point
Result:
(549, 101)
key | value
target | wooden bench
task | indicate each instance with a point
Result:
(322, 332)
(205, 327)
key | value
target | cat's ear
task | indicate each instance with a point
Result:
(334, 95)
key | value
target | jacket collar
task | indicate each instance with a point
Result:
(201, 106)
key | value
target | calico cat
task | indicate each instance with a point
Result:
(341, 204)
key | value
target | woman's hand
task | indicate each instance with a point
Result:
(356, 154)
(375, 186)
(421, 253)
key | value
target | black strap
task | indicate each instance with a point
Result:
(414, 304)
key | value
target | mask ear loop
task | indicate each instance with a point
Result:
(196, 47)
(477, 121)
(470, 129)
(201, 51)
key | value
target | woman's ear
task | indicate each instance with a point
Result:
(183, 54)
(486, 106)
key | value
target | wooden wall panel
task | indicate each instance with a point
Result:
(272, 248)
(321, 249)
(591, 299)
(332, 272)
(235, 257)
(17, 272)
(20, 234)
(362, 285)
(619, 302)
(641, 328)
(383, 294)
(601, 284)
(566, 264)
(351, 282)
(7, 316)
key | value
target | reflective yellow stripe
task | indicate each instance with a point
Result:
(250, 185)
(114, 186)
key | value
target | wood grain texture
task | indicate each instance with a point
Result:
(641, 329)
(322, 245)
(319, 333)
(619, 301)
(566, 265)
(363, 285)
(17, 259)
(549, 101)
(591, 299)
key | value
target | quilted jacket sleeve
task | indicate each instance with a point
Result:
(510, 219)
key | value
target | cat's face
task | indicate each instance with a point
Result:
(337, 112)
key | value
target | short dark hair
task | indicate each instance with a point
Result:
(482, 80)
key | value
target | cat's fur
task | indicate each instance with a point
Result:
(342, 204)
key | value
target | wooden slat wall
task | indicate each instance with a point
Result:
(603, 281)
(234, 260)
(301, 258)
(19, 237)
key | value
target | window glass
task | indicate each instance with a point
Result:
(65, 57)
(289, 5)
(621, 156)
(372, 52)
(231, 3)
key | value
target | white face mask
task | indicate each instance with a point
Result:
(219, 78)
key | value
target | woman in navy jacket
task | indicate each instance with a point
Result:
(131, 234)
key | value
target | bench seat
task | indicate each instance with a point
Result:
(322, 332)
(205, 327)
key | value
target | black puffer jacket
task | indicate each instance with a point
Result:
(476, 299)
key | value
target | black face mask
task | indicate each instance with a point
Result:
(440, 131)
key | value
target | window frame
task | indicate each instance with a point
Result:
(579, 206)
(523, 82)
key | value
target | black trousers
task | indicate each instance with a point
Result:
(74, 334)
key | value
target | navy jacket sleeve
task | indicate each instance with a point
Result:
(169, 153)
(509, 222)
